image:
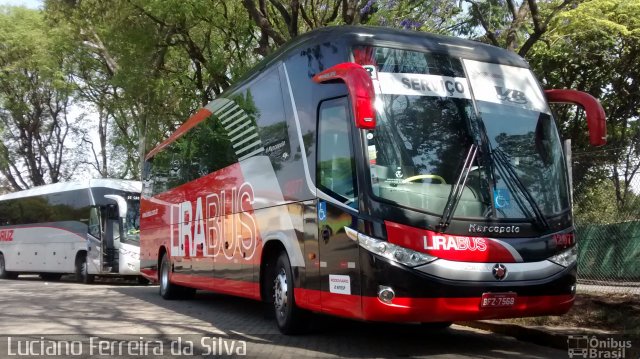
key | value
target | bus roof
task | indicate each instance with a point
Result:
(365, 35)
(383, 36)
(118, 184)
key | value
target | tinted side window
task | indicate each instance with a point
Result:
(272, 125)
(204, 149)
(336, 162)
(62, 206)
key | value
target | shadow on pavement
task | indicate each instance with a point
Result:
(243, 319)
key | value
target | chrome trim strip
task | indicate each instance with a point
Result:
(351, 233)
(323, 196)
(472, 271)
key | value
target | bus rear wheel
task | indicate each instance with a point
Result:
(169, 290)
(290, 318)
(82, 270)
(3, 270)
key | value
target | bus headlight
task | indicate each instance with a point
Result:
(566, 257)
(393, 252)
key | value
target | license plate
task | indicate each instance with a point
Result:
(498, 300)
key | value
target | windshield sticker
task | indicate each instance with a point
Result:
(501, 198)
(422, 85)
(506, 85)
(399, 174)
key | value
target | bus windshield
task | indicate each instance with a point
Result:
(132, 219)
(431, 108)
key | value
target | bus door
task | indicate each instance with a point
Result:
(111, 239)
(94, 241)
(337, 208)
(129, 251)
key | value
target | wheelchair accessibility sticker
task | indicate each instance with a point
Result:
(501, 198)
(322, 210)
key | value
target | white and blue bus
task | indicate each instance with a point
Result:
(88, 228)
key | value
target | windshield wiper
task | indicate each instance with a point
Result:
(456, 192)
(508, 171)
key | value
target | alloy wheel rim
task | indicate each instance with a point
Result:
(280, 290)
(164, 280)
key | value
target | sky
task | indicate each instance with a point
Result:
(33, 4)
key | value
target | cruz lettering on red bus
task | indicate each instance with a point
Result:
(6, 236)
(218, 232)
(456, 243)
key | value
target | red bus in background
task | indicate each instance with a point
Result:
(372, 174)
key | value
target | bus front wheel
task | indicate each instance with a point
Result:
(169, 290)
(82, 270)
(3, 270)
(290, 318)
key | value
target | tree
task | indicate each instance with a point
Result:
(594, 48)
(280, 21)
(513, 25)
(146, 65)
(35, 98)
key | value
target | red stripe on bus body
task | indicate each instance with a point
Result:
(406, 309)
(195, 119)
(238, 288)
(450, 247)
(17, 229)
(401, 309)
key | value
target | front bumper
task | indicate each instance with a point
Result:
(421, 297)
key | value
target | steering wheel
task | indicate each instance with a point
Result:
(419, 177)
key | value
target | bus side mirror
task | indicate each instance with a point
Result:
(360, 87)
(122, 204)
(596, 118)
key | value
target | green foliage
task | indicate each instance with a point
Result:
(594, 48)
(35, 93)
(593, 205)
(435, 16)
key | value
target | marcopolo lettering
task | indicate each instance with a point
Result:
(477, 228)
(450, 86)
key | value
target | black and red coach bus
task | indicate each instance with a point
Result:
(373, 174)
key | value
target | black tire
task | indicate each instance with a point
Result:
(290, 319)
(82, 275)
(3, 271)
(51, 277)
(169, 290)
